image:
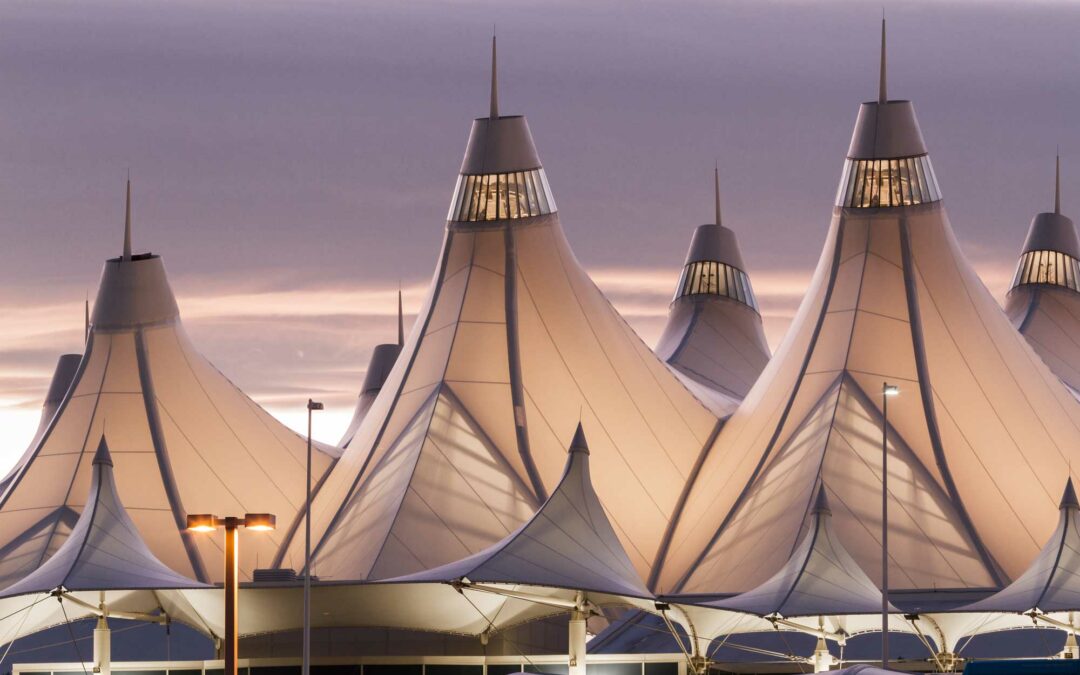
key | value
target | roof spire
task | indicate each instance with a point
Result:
(127, 222)
(1057, 184)
(86, 319)
(1068, 498)
(102, 455)
(494, 80)
(579, 444)
(882, 96)
(400, 319)
(716, 180)
(821, 503)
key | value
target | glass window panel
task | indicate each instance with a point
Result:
(849, 194)
(462, 212)
(504, 196)
(455, 200)
(477, 200)
(541, 193)
(491, 195)
(931, 180)
(913, 181)
(842, 190)
(923, 188)
(547, 192)
(875, 184)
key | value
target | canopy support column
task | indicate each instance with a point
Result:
(578, 618)
(102, 647)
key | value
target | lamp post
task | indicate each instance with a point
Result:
(887, 392)
(306, 660)
(205, 522)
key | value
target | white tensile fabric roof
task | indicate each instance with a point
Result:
(1044, 302)
(104, 550)
(1052, 582)
(714, 336)
(819, 578)
(978, 439)
(183, 440)
(513, 346)
(66, 367)
(566, 547)
(569, 543)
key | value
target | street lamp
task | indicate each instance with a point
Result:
(887, 392)
(205, 522)
(306, 661)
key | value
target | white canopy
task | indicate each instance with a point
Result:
(569, 543)
(104, 551)
(819, 578)
(1051, 582)
(183, 440)
(977, 440)
(513, 346)
(714, 336)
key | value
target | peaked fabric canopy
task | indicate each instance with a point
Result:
(1052, 582)
(104, 551)
(819, 578)
(512, 347)
(568, 543)
(977, 439)
(66, 367)
(1044, 301)
(183, 439)
(714, 335)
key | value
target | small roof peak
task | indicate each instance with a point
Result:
(821, 503)
(400, 319)
(716, 188)
(883, 96)
(1068, 497)
(127, 222)
(102, 455)
(494, 114)
(579, 444)
(1057, 183)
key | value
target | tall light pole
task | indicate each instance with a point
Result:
(887, 391)
(306, 669)
(205, 522)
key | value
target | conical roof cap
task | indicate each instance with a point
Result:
(1052, 231)
(499, 144)
(886, 129)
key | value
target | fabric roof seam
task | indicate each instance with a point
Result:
(161, 452)
(1017, 388)
(777, 430)
(513, 358)
(433, 399)
(927, 397)
(631, 335)
(332, 524)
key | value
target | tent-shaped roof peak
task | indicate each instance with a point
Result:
(1068, 497)
(1051, 582)
(819, 578)
(104, 550)
(569, 543)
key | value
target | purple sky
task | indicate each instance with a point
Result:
(294, 161)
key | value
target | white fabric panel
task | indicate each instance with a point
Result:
(1052, 580)
(1005, 424)
(715, 340)
(579, 361)
(724, 474)
(104, 551)
(1049, 318)
(568, 543)
(202, 441)
(819, 578)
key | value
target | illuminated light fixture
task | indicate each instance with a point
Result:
(205, 522)
(890, 390)
(260, 522)
(202, 522)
